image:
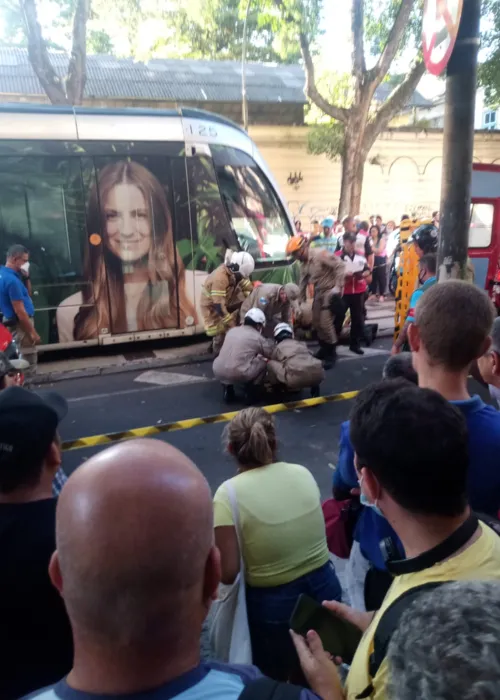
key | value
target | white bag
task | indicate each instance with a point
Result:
(229, 631)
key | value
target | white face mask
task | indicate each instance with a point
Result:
(26, 267)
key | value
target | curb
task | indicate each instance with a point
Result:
(138, 365)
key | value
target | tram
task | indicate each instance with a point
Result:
(126, 211)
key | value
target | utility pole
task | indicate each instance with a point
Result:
(244, 100)
(461, 86)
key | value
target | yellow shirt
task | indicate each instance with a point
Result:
(281, 521)
(480, 561)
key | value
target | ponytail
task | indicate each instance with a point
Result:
(251, 436)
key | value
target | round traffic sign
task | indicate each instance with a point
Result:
(439, 32)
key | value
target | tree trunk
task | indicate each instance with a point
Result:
(348, 171)
(357, 186)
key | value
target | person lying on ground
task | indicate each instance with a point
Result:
(283, 539)
(447, 645)
(395, 423)
(136, 599)
(453, 322)
(292, 367)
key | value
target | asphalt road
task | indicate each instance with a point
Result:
(119, 402)
(129, 400)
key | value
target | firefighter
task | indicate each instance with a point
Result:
(325, 272)
(243, 357)
(292, 366)
(223, 293)
(275, 300)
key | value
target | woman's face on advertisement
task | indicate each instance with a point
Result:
(128, 222)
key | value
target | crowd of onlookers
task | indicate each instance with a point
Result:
(108, 586)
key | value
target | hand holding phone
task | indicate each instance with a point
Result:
(339, 637)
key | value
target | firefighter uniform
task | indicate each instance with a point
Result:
(221, 298)
(326, 273)
(266, 297)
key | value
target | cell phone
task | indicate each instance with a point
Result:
(339, 637)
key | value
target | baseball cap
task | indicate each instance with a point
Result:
(7, 365)
(28, 424)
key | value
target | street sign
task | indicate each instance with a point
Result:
(439, 32)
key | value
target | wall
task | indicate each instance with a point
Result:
(403, 177)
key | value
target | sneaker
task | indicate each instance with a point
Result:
(356, 349)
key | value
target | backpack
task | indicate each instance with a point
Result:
(267, 689)
(389, 622)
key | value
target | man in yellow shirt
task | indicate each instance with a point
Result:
(411, 456)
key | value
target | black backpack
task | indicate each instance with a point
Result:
(266, 689)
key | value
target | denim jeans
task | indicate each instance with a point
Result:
(269, 611)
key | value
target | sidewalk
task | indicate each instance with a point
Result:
(144, 358)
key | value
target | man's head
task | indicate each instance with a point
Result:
(489, 363)
(447, 645)
(410, 449)
(452, 325)
(349, 242)
(349, 224)
(400, 367)
(255, 318)
(17, 256)
(136, 562)
(327, 231)
(378, 221)
(427, 266)
(435, 217)
(9, 371)
(29, 444)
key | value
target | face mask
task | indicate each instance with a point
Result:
(365, 502)
(26, 267)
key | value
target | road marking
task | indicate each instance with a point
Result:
(154, 376)
(153, 430)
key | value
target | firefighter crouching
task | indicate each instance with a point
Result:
(325, 272)
(275, 301)
(243, 357)
(292, 366)
(223, 293)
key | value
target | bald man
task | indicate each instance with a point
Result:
(138, 570)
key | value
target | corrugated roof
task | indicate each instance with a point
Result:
(109, 77)
(172, 80)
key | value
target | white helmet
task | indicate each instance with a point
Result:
(256, 315)
(283, 328)
(245, 263)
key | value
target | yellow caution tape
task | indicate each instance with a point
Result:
(153, 430)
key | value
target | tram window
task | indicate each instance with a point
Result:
(42, 207)
(481, 225)
(212, 233)
(256, 214)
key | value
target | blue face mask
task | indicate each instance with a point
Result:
(365, 502)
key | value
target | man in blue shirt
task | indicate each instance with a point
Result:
(452, 327)
(427, 267)
(138, 570)
(16, 306)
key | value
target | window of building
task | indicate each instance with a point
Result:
(481, 225)
(490, 119)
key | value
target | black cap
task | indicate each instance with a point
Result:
(28, 424)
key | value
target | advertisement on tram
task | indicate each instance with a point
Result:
(124, 215)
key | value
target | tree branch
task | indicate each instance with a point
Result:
(312, 92)
(77, 74)
(379, 72)
(39, 56)
(394, 103)
(357, 31)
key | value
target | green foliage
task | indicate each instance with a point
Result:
(379, 18)
(326, 138)
(489, 70)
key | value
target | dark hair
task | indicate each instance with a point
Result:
(247, 321)
(16, 250)
(400, 367)
(454, 319)
(15, 474)
(429, 260)
(415, 443)
(364, 225)
(378, 230)
(346, 220)
(378, 216)
(348, 236)
(434, 214)
(404, 216)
